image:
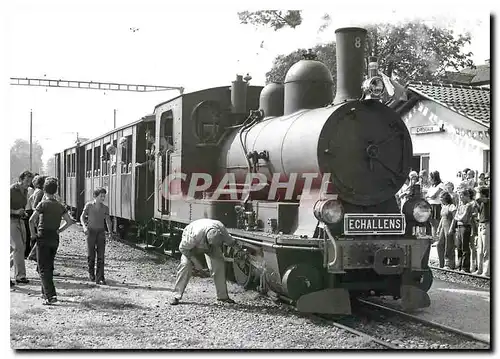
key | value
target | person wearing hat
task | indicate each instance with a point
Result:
(203, 236)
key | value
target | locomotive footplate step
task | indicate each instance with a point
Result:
(414, 298)
(326, 301)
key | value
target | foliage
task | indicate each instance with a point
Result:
(415, 51)
(411, 52)
(275, 19)
(20, 158)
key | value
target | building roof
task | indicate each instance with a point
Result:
(468, 101)
(481, 73)
(471, 76)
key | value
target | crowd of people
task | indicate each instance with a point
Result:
(460, 217)
(39, 212)
(36, 213)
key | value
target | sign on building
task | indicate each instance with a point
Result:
(420, 130)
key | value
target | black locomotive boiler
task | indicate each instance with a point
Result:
(337, 231)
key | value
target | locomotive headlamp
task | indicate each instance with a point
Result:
(329, 211)
(421, 211)
(374, 86)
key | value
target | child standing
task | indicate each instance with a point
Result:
(463, 220)
(48, 213)
(483, 240)
(92, 219)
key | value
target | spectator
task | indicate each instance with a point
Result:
(483, 243)
(94, 214)
(424, 182)
(487, 179)
(469, 181)
(48, 215)
(459, 178)
(33, 201)
(464, 173)
(450, 188)
(463, 223)
(481, 180)
(29, 212)
(18, 201)
(433, 197)
(409, 189)
(446, 246)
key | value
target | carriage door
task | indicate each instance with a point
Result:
(164, 152)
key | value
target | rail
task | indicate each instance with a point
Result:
(424, 321)
(460, 273)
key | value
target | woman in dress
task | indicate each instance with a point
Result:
(446, 244)
(433, 195)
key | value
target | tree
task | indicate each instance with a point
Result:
(50, 167)
(417, 52)
(276, 19)
(411, 51)
(20, 158)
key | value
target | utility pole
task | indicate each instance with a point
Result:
(31, 139)
(114, 118)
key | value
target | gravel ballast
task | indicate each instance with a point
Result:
(132, 311)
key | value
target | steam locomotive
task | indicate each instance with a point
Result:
(303, 180)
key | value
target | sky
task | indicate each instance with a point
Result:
(174, 46)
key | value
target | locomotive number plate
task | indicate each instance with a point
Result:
(364, 223)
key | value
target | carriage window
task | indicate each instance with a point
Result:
(105, 161)
(97, 161)
(113, 163)
(88, 163)
(126, 145)
(73, 164)
(68, 165)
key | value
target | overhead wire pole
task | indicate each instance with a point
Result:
(85, 85)
(90, 85)
(31, 139)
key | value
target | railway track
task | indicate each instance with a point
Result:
(439, 330)
(459, 273)
(336, 323)
(372, 326)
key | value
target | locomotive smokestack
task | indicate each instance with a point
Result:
(350, 48)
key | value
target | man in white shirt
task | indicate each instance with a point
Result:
(205, 236)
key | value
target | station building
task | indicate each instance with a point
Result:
(449, 127)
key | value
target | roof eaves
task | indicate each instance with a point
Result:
(447, 106)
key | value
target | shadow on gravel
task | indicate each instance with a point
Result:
(144, 259)
(243, 307)
(107, 304)
(112, 283)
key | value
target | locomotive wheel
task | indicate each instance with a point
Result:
(421, 280)
(301, 279)
(243, 272)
